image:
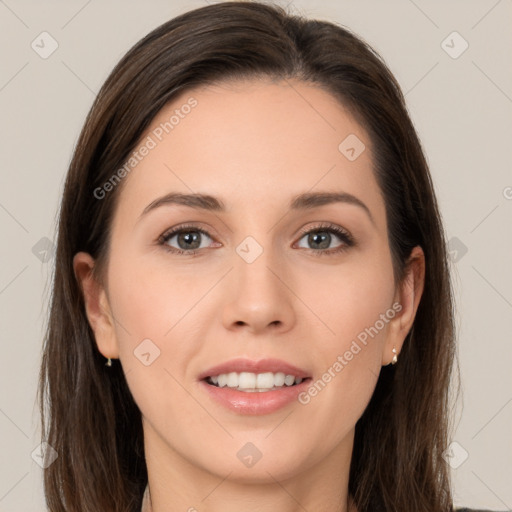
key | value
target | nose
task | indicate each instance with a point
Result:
(259, 297)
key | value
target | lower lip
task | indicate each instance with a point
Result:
(255, 403)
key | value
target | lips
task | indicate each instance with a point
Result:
(261, 366)
(265, 401)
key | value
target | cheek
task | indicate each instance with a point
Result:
(355, 303)
(153, 306)
(350, 297)
(150, 300)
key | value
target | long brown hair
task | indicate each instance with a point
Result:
(88, 414)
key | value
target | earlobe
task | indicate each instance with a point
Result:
(408, 296)
(97, 307)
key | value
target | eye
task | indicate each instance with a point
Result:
(188, 239)
(320, 238)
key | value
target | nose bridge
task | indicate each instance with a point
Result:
(260, 296)
(255, 268)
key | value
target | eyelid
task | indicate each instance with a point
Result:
(327, 226)
(182, 227)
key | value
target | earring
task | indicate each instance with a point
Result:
(109, 362)
(395, 358)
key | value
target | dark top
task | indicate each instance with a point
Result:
(473, 510)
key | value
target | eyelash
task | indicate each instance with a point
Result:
(345, 237)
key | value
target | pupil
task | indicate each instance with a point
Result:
(187, 238)
(323, 238)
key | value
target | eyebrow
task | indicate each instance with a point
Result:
(306, 201)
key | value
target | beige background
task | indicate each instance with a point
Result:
(462, 108)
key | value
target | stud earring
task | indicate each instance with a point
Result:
(109, 362)
(395, 358)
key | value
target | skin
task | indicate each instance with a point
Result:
(255, 145)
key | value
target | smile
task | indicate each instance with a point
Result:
(253, 382)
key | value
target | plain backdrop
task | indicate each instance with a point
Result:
(460, 100)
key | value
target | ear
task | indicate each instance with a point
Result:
(408, 296)
(97, 305)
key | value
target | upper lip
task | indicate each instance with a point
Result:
(261, 366)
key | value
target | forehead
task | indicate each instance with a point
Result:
(252, 141)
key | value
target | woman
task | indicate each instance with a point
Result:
(250, 239)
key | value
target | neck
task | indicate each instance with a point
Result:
(147, 505)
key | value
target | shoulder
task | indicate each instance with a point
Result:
(474, 510)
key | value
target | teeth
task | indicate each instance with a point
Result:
(252, 382)
(289, 380)
(247, 380)
(232, 380)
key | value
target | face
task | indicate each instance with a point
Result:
(284, 270)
